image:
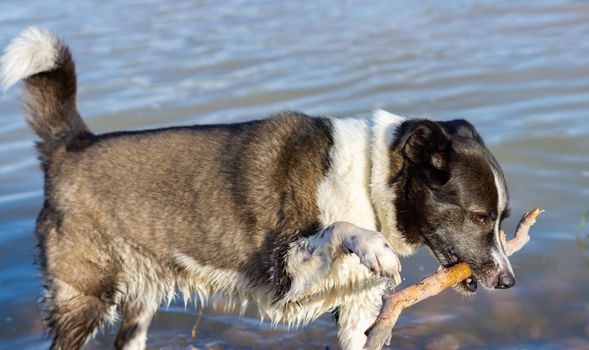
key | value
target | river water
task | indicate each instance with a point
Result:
(519, 70)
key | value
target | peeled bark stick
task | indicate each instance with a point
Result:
(380, 332)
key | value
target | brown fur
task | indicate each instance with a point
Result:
(119, 208)
(182, 190)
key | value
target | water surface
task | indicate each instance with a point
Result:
(518, 70)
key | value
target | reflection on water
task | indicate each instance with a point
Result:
(583, 238)
(517, 71)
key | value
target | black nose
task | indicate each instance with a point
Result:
(505, 281)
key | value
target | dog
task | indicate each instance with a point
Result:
(301, 215)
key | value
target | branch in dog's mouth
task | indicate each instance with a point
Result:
(468, 285)
(380, 332)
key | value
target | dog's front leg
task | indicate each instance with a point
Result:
(310, 258)
(357, 315)
(310, 261)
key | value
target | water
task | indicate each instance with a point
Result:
(519, 71)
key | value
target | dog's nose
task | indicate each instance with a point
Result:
(505, 281)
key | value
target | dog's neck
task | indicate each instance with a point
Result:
(386, 164)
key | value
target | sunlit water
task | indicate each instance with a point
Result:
(519, 72)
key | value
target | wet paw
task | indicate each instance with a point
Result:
(374, 252)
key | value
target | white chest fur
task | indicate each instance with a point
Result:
(344, 193)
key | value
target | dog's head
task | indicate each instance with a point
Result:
(458, 198)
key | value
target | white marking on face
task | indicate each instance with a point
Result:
(499, 253)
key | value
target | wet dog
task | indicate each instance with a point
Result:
(300, 215)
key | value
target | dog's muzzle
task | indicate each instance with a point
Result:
(505, 280)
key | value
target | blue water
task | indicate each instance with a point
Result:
(518, 70)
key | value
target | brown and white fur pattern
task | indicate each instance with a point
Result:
(300, 215)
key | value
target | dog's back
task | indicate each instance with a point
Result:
(128, 217)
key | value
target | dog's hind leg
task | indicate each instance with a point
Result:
(146, 284)
(80, 283)
(73, 317)
(133, 331)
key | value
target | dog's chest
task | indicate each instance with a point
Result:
(344, 193)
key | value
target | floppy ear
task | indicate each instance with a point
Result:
(425, 143)
(462, 128)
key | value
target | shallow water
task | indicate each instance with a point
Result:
(519, 71)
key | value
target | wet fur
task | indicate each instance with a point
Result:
(300, 215)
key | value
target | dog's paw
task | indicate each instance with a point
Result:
(374, 252)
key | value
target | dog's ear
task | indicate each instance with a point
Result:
(426, 144)
(462, 128)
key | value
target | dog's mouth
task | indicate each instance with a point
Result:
(467, 286)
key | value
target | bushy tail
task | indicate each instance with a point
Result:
(46, 66)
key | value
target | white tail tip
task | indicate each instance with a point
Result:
(33, 51)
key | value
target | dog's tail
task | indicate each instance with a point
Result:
(46, 66)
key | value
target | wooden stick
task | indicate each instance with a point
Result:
(380, 332)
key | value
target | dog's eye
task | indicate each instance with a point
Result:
(478, 218)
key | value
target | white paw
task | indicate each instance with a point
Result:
(374, 252)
